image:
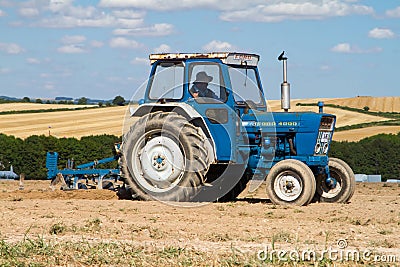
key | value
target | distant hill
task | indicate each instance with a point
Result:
(8, 98)
(57, 99)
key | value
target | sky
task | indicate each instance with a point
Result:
(100, 48)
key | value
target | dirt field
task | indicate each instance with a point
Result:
(65, 123)
(385, 104)
(358, 134)
(95, 228)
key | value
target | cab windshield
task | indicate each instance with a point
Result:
(245, 85)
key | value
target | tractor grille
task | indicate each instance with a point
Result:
(324, 136)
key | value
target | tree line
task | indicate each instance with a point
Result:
(117, 101)
(379, 154)
(29, 156)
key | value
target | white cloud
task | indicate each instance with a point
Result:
(325, 68)
(380, 33)
(161, 29)
(71, 22)
(73, 39)
(148, 4)
(4, 70)
(2, 13)
(7, 3)
(121, 42)
(96, 44)
(63, 14)
(162, 49)
(299, 10)
(256, 10)
(11, 48)
(218, 46)
(32, 60)
(129, 14)
(342, 48)
(351, 49)
(29, 12)
(59, 5)
(72, 44)
(71, 49)
(69, 16)
(140, 61)
(394, 13)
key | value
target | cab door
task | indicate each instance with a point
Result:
(215, 108)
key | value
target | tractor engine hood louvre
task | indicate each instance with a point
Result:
(302, 127)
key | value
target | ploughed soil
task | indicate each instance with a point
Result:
(371, 221)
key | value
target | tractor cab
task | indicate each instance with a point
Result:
(229, 78)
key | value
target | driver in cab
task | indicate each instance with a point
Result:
(199, 88)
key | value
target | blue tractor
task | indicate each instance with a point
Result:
(204, 131)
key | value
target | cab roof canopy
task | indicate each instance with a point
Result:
(225, 57)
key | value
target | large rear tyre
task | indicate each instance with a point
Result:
(345, 187)
(290, 182)
(164, 157)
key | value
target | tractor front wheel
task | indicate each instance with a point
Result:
(345, 186)
(290, 182)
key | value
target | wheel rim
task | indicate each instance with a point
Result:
(288, 186)
(158, 162)
(328, 192)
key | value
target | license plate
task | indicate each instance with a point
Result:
(325, 136)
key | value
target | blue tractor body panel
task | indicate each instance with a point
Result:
(242, 133)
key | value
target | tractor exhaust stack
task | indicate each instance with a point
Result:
(285, 86)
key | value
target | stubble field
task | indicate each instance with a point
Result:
(94, 228)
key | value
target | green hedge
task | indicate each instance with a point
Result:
(29, 156)
(43, 110)
(379, 154)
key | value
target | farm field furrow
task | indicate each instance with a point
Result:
(34, 106)
(111, 120)
(65, 123)
(383, 104)
(358, 134)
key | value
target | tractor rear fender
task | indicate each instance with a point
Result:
(184, 110)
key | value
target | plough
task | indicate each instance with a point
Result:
(83, 176)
